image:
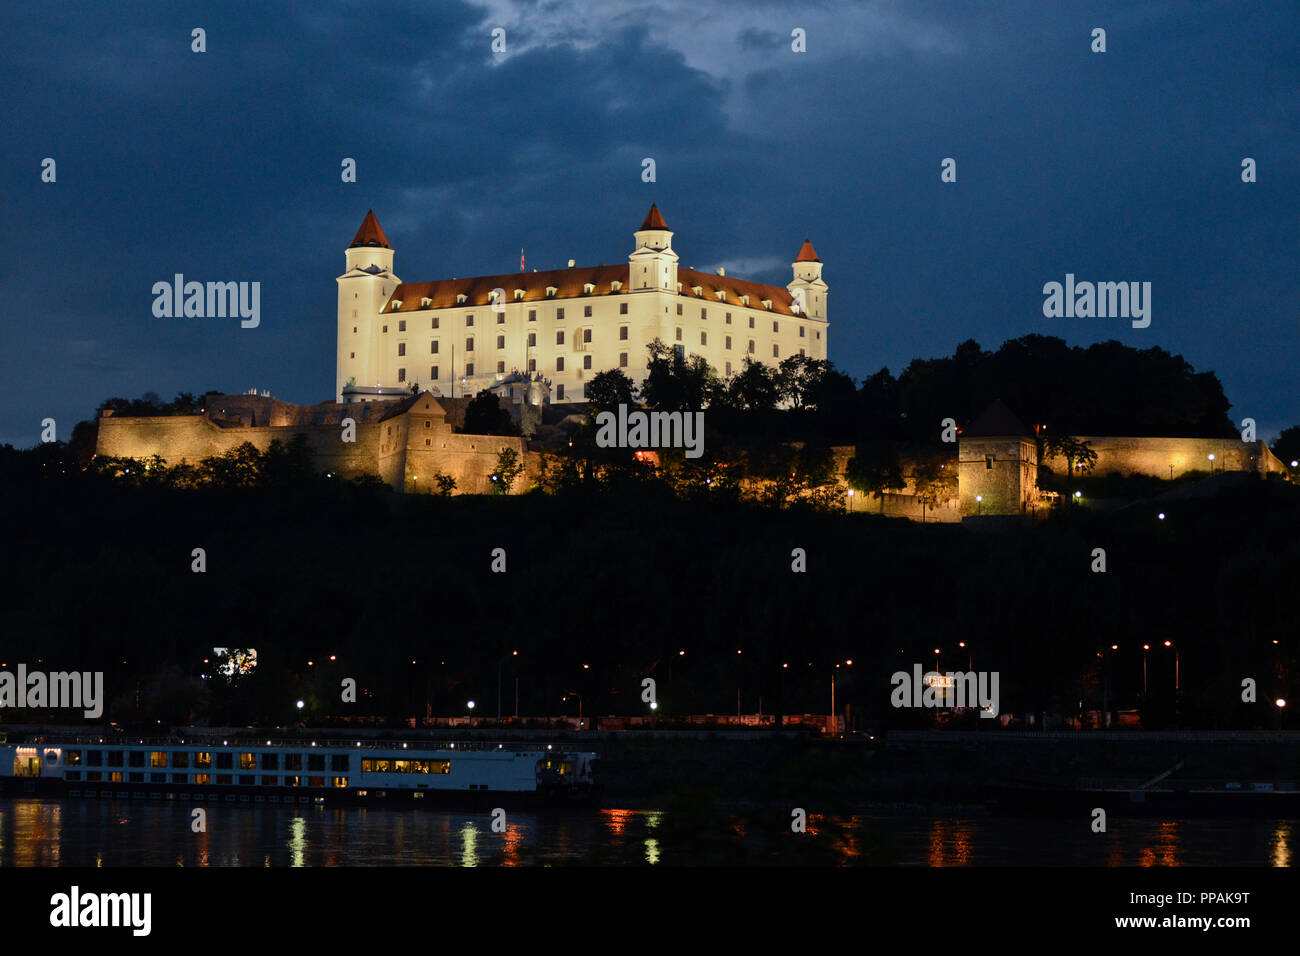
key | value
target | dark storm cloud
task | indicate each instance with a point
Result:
(225, 166)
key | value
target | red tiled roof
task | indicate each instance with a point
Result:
(569, 284)
(370, 234)
(807, 253)
(653, 219)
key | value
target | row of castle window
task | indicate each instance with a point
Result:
(203, 759)
(434, 370)
(586, 313)
(586, 339)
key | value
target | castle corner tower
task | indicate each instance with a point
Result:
(807, 288)
(653, 264)
(366, 284)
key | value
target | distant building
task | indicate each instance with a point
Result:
(561, 326)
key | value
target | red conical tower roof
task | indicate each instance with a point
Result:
(653, 219)
(807, 253)
(370, 233)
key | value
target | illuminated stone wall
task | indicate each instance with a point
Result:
(1003, 471)
(1171, 457)
(404, 450)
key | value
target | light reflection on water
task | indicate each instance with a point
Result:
(43, 832)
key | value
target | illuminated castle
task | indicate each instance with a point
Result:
(561, 327)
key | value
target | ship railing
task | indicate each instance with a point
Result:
(303, 744)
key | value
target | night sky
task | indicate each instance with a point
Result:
(225, 166)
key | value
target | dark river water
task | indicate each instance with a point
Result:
(51, 832)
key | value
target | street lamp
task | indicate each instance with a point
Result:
(979, 500)
(835, 717)
(574, 693)
(1211, 457)
(1176, 675)
(1145, 648)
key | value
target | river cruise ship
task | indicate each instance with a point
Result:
(296, 771)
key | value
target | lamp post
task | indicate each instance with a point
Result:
(1176, 675)
(1145, 649)
(574, 693)
(501, 661)
(979, 502)
(1211, 457)
(834, 722)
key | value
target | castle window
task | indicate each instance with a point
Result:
(819, 335)
(469, 344)
(559, 364)
(801, 331)
(801, 352)
(501, 318)
(559, 337)
(401, 375)
(704, 313)
(751, 346)
(469, 320)
(352, 355)
(401, 325)
(728, 318)
(433, 372)
(433, 347)
(586, 311)
(559, 313)
(587, 289)
(501, 341)
(728, 372)
(728, 342)
(586, 335)
(435, 321)
(622, 333)
(401, 348)
(559, 392)
(428, 441)
(988, 462)
(550, 291)
(679, 308)
(679, 335)
(776, 352)
(751, 321)
(532, 315)
(622, 308)
(461, 297)
(354, 330)
(776, 327)
(532, 339)
(586, 361)
(428, 424)
(532, 365)
(622, 360)
(704, 338)
(469, 368)
(385, 328)
(501, 367)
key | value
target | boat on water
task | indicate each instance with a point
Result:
(267, 770)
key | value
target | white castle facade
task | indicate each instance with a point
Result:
(559, 328)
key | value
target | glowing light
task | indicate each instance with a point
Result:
(301, 705)
(1281, 702)
(470, 705)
